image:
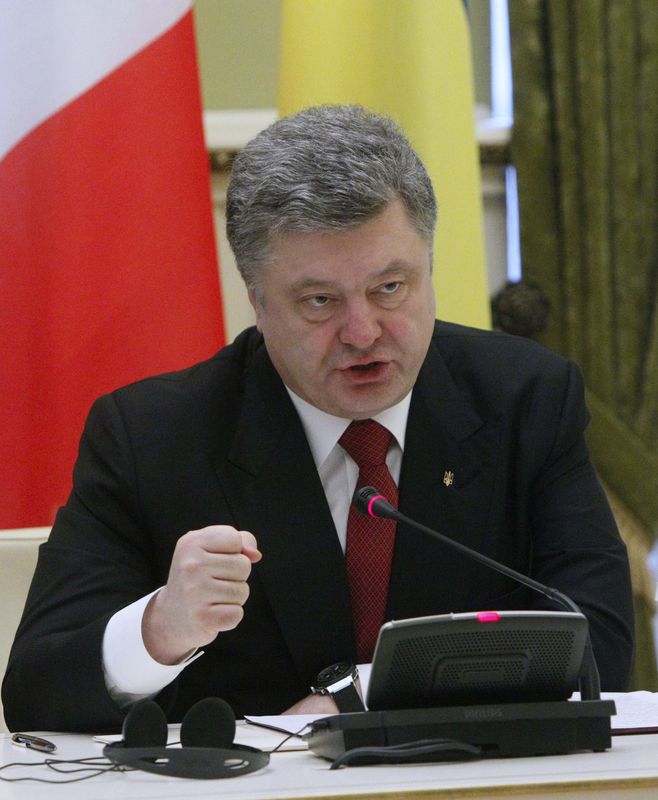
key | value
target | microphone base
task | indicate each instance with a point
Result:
(500, 731)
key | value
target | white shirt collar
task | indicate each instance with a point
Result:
(324, 430)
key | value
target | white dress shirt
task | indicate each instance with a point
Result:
(337, 470)
(130, 672)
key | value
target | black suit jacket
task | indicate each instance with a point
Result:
(222, 443)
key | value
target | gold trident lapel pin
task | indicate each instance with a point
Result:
(448, 477)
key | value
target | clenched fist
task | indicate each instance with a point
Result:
(205, 592)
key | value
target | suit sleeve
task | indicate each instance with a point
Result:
(576, 546)
(98, 559)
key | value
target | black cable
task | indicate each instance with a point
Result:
(95, 765)
(406, 752)
(288, 737)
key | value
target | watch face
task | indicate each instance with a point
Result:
(332, 674)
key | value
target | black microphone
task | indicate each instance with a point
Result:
(372, 503)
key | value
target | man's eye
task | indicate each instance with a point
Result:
(390, 288)
(318, 301)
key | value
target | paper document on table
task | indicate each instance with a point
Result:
(285, 723)
(637, 712)
(297, 723)
(278, 733)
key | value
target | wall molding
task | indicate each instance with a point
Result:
(229, 131)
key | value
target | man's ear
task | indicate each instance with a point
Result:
(252, 294)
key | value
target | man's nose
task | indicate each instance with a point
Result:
(360, 325)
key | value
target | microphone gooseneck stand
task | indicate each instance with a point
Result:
(477, 731)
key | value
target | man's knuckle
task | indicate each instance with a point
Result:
(243, 567)
(231, 616)
(190, 565)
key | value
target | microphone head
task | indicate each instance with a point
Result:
(372, 503)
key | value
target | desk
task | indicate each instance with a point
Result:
(629, 770)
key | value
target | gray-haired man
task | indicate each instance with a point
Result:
(202, 551)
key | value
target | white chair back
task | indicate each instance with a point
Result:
(18, 557)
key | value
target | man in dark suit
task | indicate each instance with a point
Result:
(202, 550)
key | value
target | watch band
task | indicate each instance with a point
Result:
(348, 699)
(338, 680)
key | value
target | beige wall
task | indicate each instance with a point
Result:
(238, 44)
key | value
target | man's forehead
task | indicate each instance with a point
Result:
(395, 268)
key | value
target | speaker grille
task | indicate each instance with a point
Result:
(482, 662)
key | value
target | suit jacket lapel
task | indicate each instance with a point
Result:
(271, 482)
(446, 481)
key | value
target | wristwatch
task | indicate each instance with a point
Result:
(338, 681)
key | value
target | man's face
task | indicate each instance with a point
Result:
(347, 316)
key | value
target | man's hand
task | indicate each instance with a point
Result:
(314, 704)
(205, 591)
(319, 703)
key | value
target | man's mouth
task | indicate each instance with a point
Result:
(365, 367)
(367, 371)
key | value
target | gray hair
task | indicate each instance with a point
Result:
(325, 168)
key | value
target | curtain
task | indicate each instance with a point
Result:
(585, 149)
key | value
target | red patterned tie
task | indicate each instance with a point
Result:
(369, 550)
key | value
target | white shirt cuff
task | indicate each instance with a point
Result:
(130, 672)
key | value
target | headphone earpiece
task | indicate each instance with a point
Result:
(209, 723)
(207, 749)
(145, 724)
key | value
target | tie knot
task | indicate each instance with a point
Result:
(367, 442)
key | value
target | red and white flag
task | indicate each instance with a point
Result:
(108, 266)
